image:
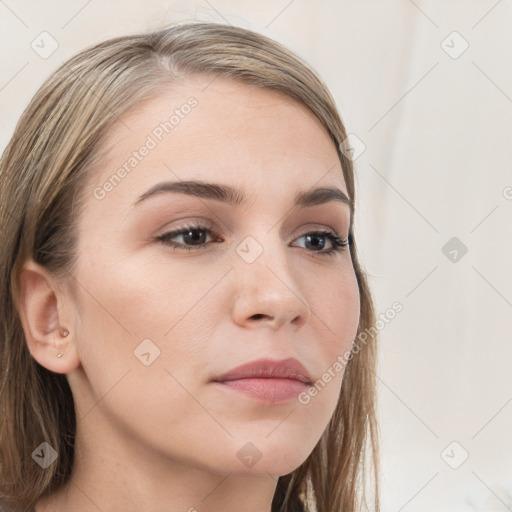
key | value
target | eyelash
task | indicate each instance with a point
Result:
(338, 244)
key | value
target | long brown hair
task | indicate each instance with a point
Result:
(42, 175)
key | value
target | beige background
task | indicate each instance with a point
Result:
(437, 132)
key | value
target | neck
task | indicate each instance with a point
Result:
(115, 473)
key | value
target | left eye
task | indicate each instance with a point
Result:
(195, 235)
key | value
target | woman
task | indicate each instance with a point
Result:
(146, 367)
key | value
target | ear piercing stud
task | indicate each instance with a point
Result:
(63, 333)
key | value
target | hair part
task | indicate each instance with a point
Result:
(43, 175)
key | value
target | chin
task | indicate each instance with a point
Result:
(257, 455)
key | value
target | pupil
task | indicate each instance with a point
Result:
(196, 239)
(321, 245)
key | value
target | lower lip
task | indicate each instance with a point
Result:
(269, 390)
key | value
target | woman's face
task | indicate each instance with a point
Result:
(156, 323)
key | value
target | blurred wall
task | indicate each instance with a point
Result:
(425, 90)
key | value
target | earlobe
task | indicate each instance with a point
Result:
(42, 314)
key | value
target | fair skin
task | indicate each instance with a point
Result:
(162, 436)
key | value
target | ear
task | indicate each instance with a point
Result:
(44, 313)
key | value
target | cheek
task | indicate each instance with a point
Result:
(335, 304)
(140, 298)
(130, 309)
(336, 308)
(142, 345)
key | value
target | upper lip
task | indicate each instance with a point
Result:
(268, 368)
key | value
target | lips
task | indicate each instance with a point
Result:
(268, 369)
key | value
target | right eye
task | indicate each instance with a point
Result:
(194, 234)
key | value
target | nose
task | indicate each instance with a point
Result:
(267, 290)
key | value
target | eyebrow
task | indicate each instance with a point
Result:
(234, 196)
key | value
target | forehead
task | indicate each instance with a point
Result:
(222, 129)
